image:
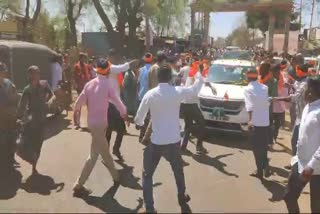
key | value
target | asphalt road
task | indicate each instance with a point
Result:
(216, 182)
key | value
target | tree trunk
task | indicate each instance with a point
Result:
(286, 32)
(206, 20)
(192, 27)
(105, 19)
(132, 39)
(72, 24)
(311, 19)
(36, 12)
(148, 36)
(272, 19)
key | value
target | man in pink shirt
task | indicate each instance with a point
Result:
(96, 95)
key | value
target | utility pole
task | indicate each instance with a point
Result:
(300, 19)
(311, 20)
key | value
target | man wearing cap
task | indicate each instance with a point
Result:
(96, 95)
(163, 102)
(257, 105)
(306, 166)
(143, 83)
(8, 108)
(153, 82)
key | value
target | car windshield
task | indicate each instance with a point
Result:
(242, 55)
(228, 74)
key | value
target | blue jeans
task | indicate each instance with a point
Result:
(294, 139)
(151, 157)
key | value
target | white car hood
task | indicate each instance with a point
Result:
(234, 92)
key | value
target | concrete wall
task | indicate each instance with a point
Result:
(278, 41)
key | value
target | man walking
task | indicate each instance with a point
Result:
(96, 95)
(191, 112)
(307, 166)
(153, 82)
(301, 73)
(257, 105)
(163, 102)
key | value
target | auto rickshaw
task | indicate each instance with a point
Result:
(19, 56)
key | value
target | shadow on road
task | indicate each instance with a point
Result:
(284, 150)
(215, 162)
(41, 184)
(129, 180)
(228, 140)
(55, 125)
(10, 182)
(279, 171)
(108, 204)
(186, 209)
(275, 188)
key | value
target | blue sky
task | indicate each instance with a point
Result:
(221, 24)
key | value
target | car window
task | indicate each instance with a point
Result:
(242, 55)
(228, 74)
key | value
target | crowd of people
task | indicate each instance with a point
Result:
(154, 93)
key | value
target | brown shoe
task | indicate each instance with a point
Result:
(183, 199)
(144, 211)
(81, 191)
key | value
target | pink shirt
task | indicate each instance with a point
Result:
(96, 95)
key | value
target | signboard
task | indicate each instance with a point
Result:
(8, 36)
(9, 27)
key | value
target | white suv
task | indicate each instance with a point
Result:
(226, 111)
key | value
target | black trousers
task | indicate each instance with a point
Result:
(151, 157)
(259, 139)
(194, 123)
(7, 147)
(294, 139)
(144, 127)
(295, 187)
(117, 124)
(277, 122)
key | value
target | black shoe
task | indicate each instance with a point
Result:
(288, 167)
(267, 172)
(81, 192)
(257, 175)
(202, 150)
(183, 199)
(118, 155)
(185, 151)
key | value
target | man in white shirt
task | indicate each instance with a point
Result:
(193, 118)
(184, 71)
(56, 72)
(163, 102)
(257, 105)
(307, 166)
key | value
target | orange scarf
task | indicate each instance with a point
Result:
(266, 78)
(300, 73)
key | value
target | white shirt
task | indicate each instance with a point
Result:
(185, 72)
(193, 99)
(308, 147)
(114, 71)
(163, 102)
(299, 98)
(257, 101)
(56, 75)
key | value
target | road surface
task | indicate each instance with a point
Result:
(216, 182)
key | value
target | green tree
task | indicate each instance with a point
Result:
(74, 11)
